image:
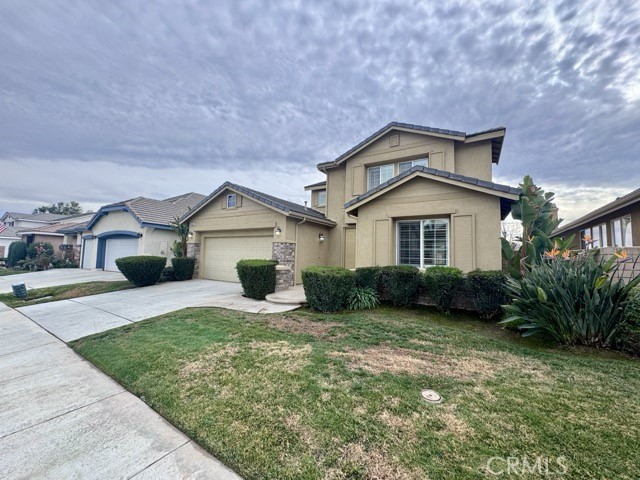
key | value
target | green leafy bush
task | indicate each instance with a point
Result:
(17, 252)
(574, 300)
(142, 270)
(167, 275)
(64, 263)
(258, 277)
(399, 283)
(362, 298)
(328, 288)
(40, 249)
(440, 284)
(488, 291)
(183, 267)
(368, 277)
(629, 336)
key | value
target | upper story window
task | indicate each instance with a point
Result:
(231, 200)
(322, 198)
(9, 224)
(404, 166)
(621, 229)
(382, 173)
(594, 237)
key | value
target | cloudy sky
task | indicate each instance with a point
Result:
(102, 101)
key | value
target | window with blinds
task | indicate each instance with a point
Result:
(423, 243)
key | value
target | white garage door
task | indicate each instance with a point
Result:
(87, 253)
(116, 248)
(222, 254)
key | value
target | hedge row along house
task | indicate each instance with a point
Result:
(408, 194)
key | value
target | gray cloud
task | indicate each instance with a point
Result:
(216, 88)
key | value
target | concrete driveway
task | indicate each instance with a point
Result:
(62, 418)
(58, 276)
(72, 319)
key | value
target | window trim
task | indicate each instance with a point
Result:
(421, 221)
(322, 204)
(613, 231)
(235, 200)
(396, 169)
(412, 162)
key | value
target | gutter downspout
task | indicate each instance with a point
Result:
(295, 265)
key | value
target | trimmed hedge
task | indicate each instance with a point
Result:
(168, 275)
(628, 338)
(142, 270)
(399, 284)
(440, 284)
(17, 251)
(258, 277)
(183, 267)
(328, 288)
(368, 277)
(488, 292)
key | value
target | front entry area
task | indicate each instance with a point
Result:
(221, 254)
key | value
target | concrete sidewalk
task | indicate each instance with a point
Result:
(79, 317)
(58, 276)
(62, 418)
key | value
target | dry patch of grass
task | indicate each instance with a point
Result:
(474, 365)
(358, 461)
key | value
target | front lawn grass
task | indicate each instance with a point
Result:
(8, 271)
(308, 395)
(62, 292)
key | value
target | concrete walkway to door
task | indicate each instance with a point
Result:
(62, 418)
(58, 276)
(79, 317)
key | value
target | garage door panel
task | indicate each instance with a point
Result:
(223, 253)
(117, 248)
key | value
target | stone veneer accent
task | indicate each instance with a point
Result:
(285, 253)
(629, 268)
(193, 250)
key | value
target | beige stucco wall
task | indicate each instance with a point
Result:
(55, 241)
(253, 218)
(421, 199)
(248, 215)
(153, 241)
(474, 160)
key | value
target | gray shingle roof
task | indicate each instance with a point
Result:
(38, 217)
(438, 173)
(411, 126)
(319, 184)
(278, 203)
(157, 212)
(8, 232)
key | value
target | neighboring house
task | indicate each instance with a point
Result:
(54, 233)
(616, 224)
(139, 226)
(7, 236)
(20, 221)
(408, 195)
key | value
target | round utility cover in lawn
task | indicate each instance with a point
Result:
(431, 396)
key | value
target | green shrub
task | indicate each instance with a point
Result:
(64, 263)
(142, 270)
(629, 336)
(368, 277)
(258, 277)
(399, 283)
(362, 298)
(440, 284)
(40, 249)
(328, 288)
(573, 300)
(183, 267)
(17, 252)
(167, 275)
(488, 291)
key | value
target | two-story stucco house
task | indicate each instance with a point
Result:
(407, 195)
